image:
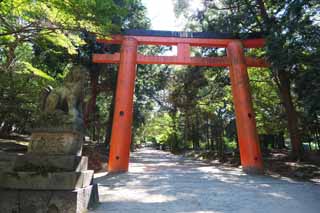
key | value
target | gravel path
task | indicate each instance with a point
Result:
(162, 182)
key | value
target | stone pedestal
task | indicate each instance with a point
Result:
(51, 177)
(56, 142)
(48, 201)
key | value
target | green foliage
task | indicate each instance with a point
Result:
(268, 110)
(41, 40)
(19, 100)
(291, 30)
(30, 69)
(199, 100)
(158, 128)
(57, 22)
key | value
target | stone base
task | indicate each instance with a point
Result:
(50, 163)
(28, 201)
(46, 181)
(56, 143)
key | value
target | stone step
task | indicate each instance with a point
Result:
(46, 181)
(50, 163)
(7, 161)
(27, 201)
(13, 147)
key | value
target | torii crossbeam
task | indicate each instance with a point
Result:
(237, 62)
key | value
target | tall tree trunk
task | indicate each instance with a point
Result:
(175, 128)
(195, 133)
(94, 77)
(212, 146)
(112, 88)
(187, 130)
(292, 116)
(284, 89)
(110, 120)
(280, 141)
(207, 133)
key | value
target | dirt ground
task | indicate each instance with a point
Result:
(277, 163)
(162, 182)
(158, 181)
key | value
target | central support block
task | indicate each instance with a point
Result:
(123, 112)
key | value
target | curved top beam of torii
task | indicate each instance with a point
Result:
(183, 40)
(178, 34)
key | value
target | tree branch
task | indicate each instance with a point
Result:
(263, 13)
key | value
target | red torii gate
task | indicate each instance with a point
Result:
(128, 58)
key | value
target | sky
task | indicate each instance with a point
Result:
(161, 14)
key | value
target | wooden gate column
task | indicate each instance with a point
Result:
(123, 111)
(250, 154)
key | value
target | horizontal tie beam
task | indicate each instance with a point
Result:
(193, 61)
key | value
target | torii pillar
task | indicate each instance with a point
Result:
(123, 111)
(250, 154)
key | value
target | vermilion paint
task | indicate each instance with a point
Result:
(123, 111)
(251, 158)
(191, 61)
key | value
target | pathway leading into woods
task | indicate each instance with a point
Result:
(162, 182)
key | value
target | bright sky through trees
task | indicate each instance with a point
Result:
(161, 13)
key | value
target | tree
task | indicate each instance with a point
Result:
(288, 27)
(41, 40)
